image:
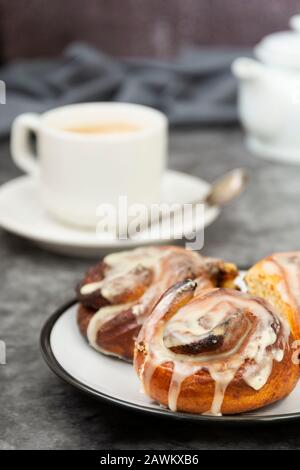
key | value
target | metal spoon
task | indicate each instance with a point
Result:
(227, 187)
(223, 190)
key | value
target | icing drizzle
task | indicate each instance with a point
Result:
(230, 332)
(287, 265)
(164, 266)
(126, 268)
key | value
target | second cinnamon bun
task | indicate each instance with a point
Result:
(118, 294)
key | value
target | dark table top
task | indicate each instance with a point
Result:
(39, 411)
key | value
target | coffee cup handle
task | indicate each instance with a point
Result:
(21, 150)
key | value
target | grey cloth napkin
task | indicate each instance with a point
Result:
(195, 88)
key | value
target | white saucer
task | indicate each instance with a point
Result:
(22, 213)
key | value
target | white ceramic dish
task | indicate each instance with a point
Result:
(269, 95)
(78, 170)
(71, 358)
(22, 213)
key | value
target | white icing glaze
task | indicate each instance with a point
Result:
(124, 269)
(287, 266)
(256, 375)
(180, 370)
(91, 287)
(120, 273)
(178, 332)
(222, 380)
(255, 348)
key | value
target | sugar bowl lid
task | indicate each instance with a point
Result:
(281, 49)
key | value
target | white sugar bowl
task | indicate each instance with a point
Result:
(269, 95)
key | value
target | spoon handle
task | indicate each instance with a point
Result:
(222, 191)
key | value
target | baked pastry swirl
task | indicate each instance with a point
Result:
(218, 351)
(277, 279)
(118, 294)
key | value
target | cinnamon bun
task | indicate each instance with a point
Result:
(117, 294)
(277, 279)
(218, 351)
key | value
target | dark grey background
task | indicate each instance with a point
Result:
(195, 88)
(37, 410)
(143, 28)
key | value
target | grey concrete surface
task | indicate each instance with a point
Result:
(37, 410)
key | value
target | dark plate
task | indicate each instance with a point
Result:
(56, 367)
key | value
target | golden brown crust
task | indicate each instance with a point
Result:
(274, 286)
(118, 335)
(197, 391)
(84, 316)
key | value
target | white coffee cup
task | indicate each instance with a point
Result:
(78, 171)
